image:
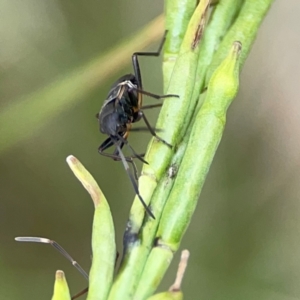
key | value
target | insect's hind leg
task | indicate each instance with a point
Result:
(133, 182)
(129, 159)
(115, 155)
(135, 61)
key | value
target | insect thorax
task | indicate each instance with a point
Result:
(119, 109)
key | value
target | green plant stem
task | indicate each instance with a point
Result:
(174, 292)
(185, 69)
(178, 14)
(203, 142)
(150, 277)
(149, 228)
(173, 116)
(28, 115)
(223, 15)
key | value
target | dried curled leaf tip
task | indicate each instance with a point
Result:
(59, 275)
(185, 254)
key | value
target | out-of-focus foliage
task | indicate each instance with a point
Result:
(243, 240)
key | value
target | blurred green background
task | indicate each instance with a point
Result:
(244, 238)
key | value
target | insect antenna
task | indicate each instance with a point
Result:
(58, 247)
(134, 184)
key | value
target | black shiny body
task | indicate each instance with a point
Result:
(121, 107)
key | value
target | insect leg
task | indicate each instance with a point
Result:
(128, 159)
(134, 184)
(115, 156)
(151, 106)
(80, 293)
(135, 154)
(108, 143)
(144, 129)
(153, 95)
(151, 129)
(135, 61)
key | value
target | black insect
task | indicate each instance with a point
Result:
(122, 108)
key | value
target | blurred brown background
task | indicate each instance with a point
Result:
(244, 239)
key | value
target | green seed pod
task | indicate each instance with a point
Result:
(103, 237)
(61, 289)
(167, 296)
(204, 139)
(178, 14)
(203, 142)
